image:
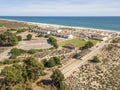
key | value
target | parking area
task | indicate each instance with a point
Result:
(34, 44)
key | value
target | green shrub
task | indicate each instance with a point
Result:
(17, 52)
(47, 36)
(11, 61)
(20, 31)
(40, 35)
(29, 36)
(88, 44)
(1, 63)
(19, 38)
(56, 60)
(33, 68)
(95, 59)
(31, 51)
(13, 57)
(51, 62)
(53, 41)
(58, 79)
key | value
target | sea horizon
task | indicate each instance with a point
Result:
(111, 23)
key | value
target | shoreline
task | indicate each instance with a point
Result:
(63, 26)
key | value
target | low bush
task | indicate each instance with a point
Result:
(20, 31)
(17, 52)
(19, 38)
(31, 51)
(29, 36)
(11, 61)
(95, 59)
(53, 41)
(51, 62)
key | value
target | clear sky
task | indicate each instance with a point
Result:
(59, 7)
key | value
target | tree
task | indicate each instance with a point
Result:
(13, 75)
(34, 68)
(57, 60)
(88, 44)
(8, 39)
(19, 38)
(57, 76)
(29, 36)
(51, 63)
(53, 41)
(45, 61)
(58, 79)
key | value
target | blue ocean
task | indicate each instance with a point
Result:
(107, 23)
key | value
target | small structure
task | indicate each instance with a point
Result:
(70, 36)
(100, 38)
(59, 31)
(69, 46)
(48, 32)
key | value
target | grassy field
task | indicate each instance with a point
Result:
(77, 42)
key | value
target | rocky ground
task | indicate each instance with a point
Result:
(98, 76)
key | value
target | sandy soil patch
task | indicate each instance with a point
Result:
(34, 44)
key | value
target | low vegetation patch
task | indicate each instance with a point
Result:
(20, 31)
(31, 51)
(17, 52)
(21, 77)
(11, 61)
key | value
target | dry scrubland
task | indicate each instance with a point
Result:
(12, 24)
(99, 76)
(104, 75)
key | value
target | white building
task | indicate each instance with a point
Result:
(70, 36)
(48, 32)
(58, 31)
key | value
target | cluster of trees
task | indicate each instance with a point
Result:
(58, 79)
(53, 41)
(51, 62)
(20, 77)
(8, 39)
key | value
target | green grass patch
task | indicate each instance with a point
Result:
(77, 42)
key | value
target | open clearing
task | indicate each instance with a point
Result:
(77, 42)
(34, 44)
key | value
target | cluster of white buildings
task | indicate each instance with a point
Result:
(69, 34)
(58, 33)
